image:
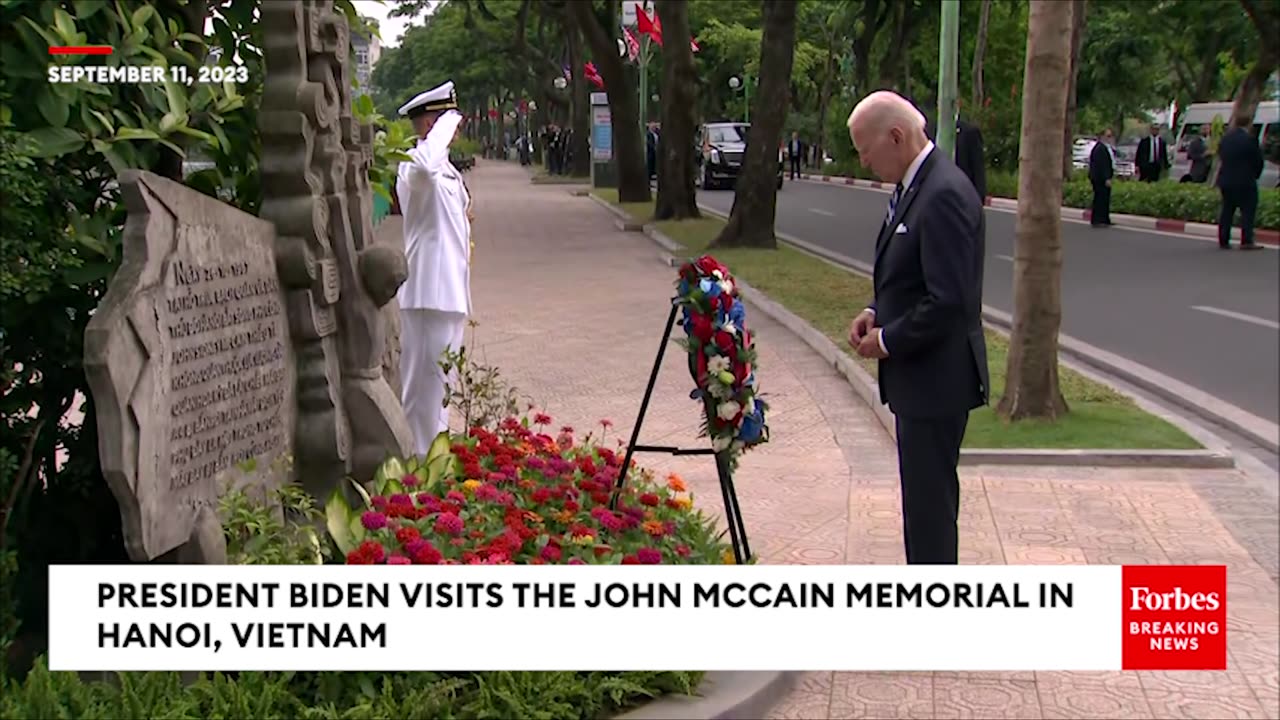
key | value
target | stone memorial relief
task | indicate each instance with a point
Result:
(315, 162)
(190, 365)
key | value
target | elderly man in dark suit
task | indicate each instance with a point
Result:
(925, 325)
(1102, 169)
(1241, 165)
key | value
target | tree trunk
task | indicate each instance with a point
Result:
(755, 198)
(579, 105)
(1078, 10)
(872, 17)
(824, 101)
(679, 93)
(980, 55)
(1266, 18)
(1032, 389)
(628, 144)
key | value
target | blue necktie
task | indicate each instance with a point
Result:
(893, 203)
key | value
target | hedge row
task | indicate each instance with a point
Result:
(1167, 199)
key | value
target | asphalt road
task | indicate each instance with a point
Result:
(1206, 317)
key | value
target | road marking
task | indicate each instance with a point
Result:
(1005, 257)
(820, 211)
(1238, 316)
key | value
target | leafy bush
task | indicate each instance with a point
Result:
(279, 531)
(521, 497)
(477, 391)
(334, 696)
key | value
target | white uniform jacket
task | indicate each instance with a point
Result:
(437, 235)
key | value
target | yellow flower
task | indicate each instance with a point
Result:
(583, 539)
(726, 558)
(684, 502)
(471, 485)
(533, 517)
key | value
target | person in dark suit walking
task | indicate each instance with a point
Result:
(1153, 156)
(970, 156)
(1102, 168)
(925, 325)
(795, 151)
(1242, 161)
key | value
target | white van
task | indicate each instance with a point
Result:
(1266, 125)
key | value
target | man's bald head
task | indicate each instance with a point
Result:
(888, 132)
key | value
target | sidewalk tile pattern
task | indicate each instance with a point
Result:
(571, 310)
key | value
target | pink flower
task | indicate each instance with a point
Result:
(448, 524)
(649, 556)
(550, 553)
(409, 480)
(576, 561)
(373, 520)
(399, 560)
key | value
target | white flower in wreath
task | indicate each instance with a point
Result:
(726, 286)
(718, 390)
(728, 409)
(750, 407)
(729, 327)
(718, 364)
(717, 274)
(720, 443)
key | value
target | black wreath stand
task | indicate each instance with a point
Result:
(733, 514)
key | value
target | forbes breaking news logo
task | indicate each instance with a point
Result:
(1175, 617)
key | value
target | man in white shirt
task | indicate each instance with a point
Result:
(435, 300)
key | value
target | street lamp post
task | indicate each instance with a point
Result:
(948, 43)
(745, 83)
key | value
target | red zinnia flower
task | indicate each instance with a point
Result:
(649, 556)
(373, 520)
(630, 560)
(399, 560)
(405, 534)
(550, 553)
(542, 419)
(448, 524)
(650, 499)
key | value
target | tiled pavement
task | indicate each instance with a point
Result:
(571, 310)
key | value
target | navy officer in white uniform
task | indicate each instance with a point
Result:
(435, 300)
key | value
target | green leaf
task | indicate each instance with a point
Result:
(105, 120)
(177, 96)
(142, 15)
(169, 122)
(53, 109)
(198, 134)
(45, 34)
(54, 142)
(338, 520)
(86, 9)
(220, 137)
(65, 24)
(128, 133)
(364, 105)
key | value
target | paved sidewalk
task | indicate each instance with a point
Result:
(571, 310)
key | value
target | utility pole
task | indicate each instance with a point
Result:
(948, 47)
(644, 82)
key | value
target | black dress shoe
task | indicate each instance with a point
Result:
(1251, 246)
(1224, 246)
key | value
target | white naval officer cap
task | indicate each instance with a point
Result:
(437, 99)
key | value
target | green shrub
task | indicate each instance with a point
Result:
(334, 696)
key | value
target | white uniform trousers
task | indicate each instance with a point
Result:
(424, 336)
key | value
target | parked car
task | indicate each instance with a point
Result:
(1125, 153)
(721, 146)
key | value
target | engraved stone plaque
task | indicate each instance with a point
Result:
(191, 366)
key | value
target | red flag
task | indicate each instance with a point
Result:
(633, 45)
(593, 75)
(646, 26)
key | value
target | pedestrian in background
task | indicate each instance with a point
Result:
(1153, 156)
(1102, 169)
(1198, 154)
(1241, 165)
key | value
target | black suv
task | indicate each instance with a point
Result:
(719, 154)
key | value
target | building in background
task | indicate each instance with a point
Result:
(368, 48)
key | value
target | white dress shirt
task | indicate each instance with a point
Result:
(437, 234)
(907, 178)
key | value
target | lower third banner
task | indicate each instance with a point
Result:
(654, 617)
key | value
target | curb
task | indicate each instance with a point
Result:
(721, 696)
(1216, 454)
(1141, 222)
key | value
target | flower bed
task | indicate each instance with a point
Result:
(721, 357)
(520, 496)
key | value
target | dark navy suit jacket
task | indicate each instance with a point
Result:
(928, 296)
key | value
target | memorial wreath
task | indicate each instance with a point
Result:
(721, 357)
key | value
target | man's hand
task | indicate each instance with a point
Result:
(860, 326)
(870, 345)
